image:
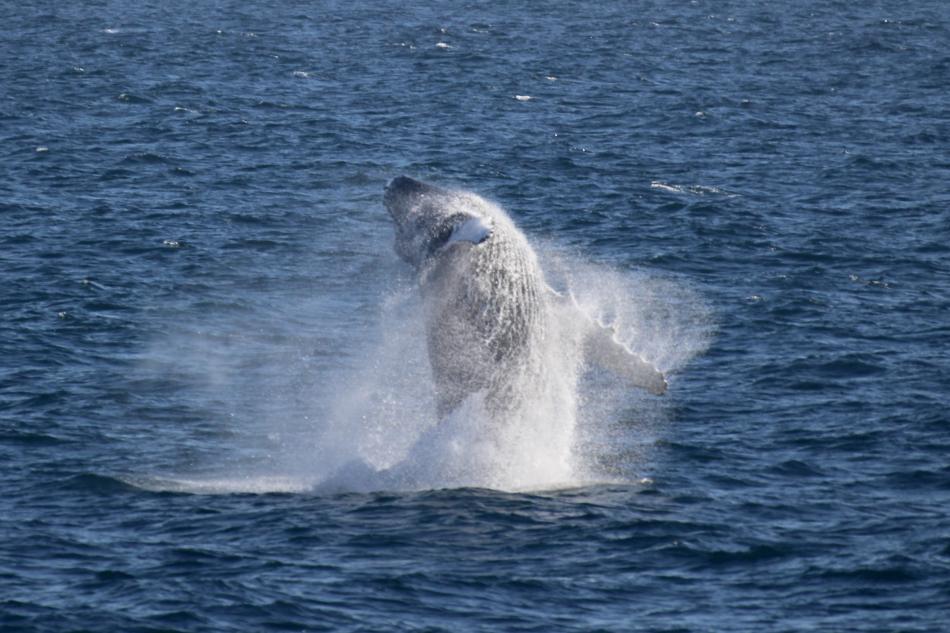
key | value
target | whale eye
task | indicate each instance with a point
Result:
(440, 239)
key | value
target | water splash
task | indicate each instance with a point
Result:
(575, 423)
(367, 420)
(398, 433)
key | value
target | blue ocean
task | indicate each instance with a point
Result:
(212, 360)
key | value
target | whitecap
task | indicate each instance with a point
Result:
(93, 284)
(247, 484)
(656, 184)
(703, 190)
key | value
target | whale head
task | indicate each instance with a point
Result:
(429, 218)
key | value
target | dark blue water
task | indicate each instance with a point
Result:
(196, 275)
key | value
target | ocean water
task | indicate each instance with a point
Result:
(208, 350)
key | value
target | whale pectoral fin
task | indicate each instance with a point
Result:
(474, 230)
(603, 349)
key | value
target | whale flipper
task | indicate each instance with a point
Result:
(601, 346)
(605, 350)
(475, 230)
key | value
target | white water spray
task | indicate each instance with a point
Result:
(574, 420)
(372, 424)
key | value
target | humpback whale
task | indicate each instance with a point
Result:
(487, 306)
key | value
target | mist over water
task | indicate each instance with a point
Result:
(290, 422)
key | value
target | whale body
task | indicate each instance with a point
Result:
(487, 305)
(481, 285)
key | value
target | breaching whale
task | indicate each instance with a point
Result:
(487, 304)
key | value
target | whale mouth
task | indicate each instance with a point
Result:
(404, 184)
(402, 194)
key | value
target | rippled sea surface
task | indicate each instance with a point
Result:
(196, 279)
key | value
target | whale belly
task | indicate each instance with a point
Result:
(485, 318)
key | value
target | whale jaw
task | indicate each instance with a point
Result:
(404, 185)
(430, 220)
(402, 194)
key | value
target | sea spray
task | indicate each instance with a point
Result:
(356, 409)
(577, 423)
(385, 417)
(661, 318)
